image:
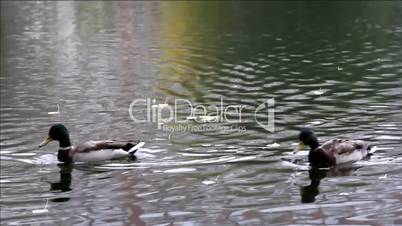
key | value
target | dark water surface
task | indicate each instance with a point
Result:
(335, 67)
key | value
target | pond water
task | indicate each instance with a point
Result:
(334, 67)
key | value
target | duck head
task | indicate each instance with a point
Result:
(59, 133)
(307, 137)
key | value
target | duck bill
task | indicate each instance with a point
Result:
(45, 142)
(300, 147)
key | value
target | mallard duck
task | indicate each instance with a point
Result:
(89, 151)
(332, 152)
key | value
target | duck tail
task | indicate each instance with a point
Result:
(131, 148)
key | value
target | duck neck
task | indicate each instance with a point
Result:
(65, 142)
(313, 143)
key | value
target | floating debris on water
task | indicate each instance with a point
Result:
(383, 177)
(318, 92)
(208, 182)
(316, 122)
(55, 112)
(40, 211)
(274, 145)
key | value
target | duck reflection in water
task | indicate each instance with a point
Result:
(64, 184)
(308, 193)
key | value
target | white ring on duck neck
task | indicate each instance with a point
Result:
(64, 148)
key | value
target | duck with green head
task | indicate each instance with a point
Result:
(89, 151)
(334, 151)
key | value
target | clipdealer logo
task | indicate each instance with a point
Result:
(164, 113)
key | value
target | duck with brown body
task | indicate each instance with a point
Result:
(89, 151)
(334, 151)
